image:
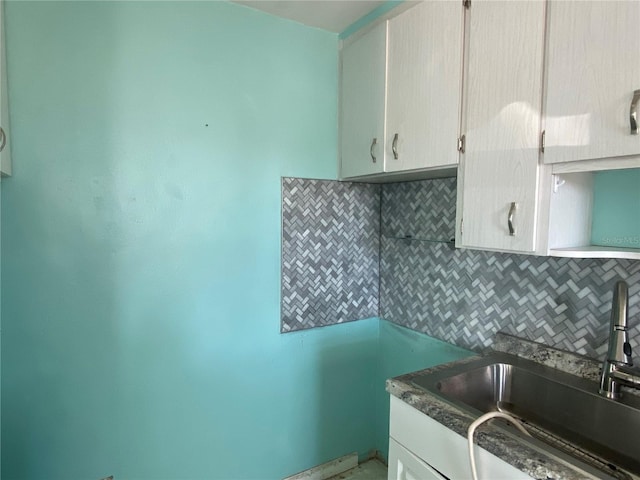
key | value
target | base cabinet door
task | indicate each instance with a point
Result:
(404, 465)
(441, 452)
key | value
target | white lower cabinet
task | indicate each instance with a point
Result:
(404, 465)
(422, 448)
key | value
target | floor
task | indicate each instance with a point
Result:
(371, 470)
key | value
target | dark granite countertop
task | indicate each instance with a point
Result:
(513, 450)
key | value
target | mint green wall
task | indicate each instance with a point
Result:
(402, 350)
(141, 247)
(616, 208)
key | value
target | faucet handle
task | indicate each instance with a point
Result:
(626, 348)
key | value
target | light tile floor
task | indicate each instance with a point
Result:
(371, 470)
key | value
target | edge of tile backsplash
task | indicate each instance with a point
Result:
(330, 252)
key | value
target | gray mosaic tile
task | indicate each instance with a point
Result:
(424, 209)
(330, 252)
(331, 245)
(464, 296)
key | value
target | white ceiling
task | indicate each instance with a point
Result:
(332, 15)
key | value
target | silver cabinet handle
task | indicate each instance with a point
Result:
(3, 142)
(633, 112)
(373, 144)
(394, 146)
(512, 212)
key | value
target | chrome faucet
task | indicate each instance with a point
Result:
(617, 368)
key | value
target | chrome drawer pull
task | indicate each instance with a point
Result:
(394, 146)
(373, 144)
(512, 212)
(633, 112)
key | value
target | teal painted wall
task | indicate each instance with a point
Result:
(616, 208)
(402, 350)
(141, 247)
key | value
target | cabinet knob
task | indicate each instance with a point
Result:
(633, 112)
(373, 144)
(512, 213)
(394, 146)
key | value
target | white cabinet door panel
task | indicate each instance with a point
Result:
(404, 465)
(363, 94)
(423, 86)
(502, 124)
(593, 68)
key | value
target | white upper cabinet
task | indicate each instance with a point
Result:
(5, 147)
(400, 93)
(498, 184)
(362, 104)
(593, 69)
(424, 73)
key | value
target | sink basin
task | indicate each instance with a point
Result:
(557, 408)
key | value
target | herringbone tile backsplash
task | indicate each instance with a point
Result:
(335, 236)
(330, 252)
(465, 296)
(419, 209)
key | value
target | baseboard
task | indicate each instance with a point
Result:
(377, 455)
(328, 469)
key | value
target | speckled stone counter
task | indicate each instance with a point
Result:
(572, 363)
(523, 456)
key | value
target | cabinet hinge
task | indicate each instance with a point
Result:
(542, 135)
(461, 225)
(461, 143)
(466, 4)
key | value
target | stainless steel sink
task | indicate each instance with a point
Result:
(561, 410)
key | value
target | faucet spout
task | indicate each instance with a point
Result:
(619, 346)
(617, 366)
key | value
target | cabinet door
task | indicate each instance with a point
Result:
(442, 449)
(593, 69)
(363, 87)
(424, 73)
(499, 168)
(404, 465)
(5, 147)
